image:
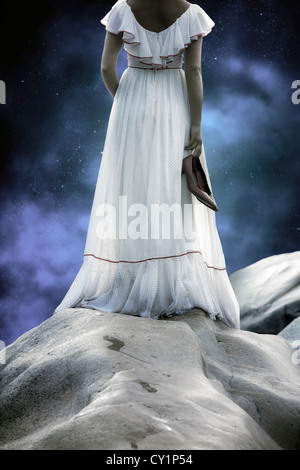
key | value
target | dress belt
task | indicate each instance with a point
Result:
(154, 68)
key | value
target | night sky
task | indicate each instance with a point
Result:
(53, 126)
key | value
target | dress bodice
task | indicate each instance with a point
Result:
(163, 50)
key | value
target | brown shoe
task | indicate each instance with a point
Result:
(197, 182)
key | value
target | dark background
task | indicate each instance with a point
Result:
(53, 126)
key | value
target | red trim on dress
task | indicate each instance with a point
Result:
(123, 31)
(160, 257)
(154, 68)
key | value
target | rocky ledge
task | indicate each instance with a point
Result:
(89, 380)
(268, 292)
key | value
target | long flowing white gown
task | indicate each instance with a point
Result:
(152, 248)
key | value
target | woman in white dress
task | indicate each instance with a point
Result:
(152, 247)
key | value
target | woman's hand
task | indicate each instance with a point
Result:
(195, 143)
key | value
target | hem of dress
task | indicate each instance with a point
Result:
(157, 258)
(85, 304)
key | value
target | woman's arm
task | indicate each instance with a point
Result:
(193, 74)
(112, 46)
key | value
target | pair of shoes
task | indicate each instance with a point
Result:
(197, 182)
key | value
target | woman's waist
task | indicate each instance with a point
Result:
(154, 68)
(155, 63)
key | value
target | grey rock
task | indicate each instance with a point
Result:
(88, 380)
(268, 293)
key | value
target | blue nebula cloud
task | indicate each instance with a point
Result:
(251, 127)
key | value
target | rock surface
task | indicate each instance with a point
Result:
(89, 380)
(269, 293)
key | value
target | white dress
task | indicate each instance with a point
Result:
(152, 248)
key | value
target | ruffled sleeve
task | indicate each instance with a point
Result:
(120, 19)
(157, 49)
(199, 23)
(189, 27)
(112, 20)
